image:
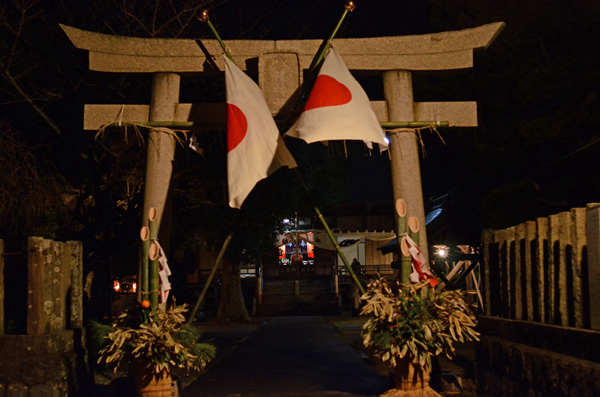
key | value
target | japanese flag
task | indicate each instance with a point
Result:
(337, 108)
(254, 147)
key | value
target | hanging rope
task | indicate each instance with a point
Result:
(418, 134)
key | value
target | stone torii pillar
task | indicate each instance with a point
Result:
(280, 66)
(161, 153)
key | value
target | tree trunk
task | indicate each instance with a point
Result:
(231, 305)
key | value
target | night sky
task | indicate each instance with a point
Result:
(536, 86)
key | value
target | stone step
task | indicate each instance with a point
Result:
(279, 298)
(297, 308)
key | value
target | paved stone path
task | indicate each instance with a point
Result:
(291, 356)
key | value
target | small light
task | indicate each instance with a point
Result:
(116, 285)
(442, 253)
(386, 139)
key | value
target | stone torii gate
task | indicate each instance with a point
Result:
(280, 73)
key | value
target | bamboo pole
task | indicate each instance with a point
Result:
(187, 125)
(413, 124)
(401, 231)
(153, 257)
(153, 280)
(413, 228)
(155, 124)
(315, 65)
(413, 233)
(210, 278)
(204, 18)
(143, 273)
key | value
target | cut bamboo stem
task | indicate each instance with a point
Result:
(153, 257)
(143, 274)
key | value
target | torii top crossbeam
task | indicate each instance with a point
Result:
(439, 51)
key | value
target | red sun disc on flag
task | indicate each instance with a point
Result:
(237, 126)
(327, 91)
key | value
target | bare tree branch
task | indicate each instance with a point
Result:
(27, 98)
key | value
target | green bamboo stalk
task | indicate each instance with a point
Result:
(413, 124)
(210, 278)
(143, 274)
(153, 282)
(153, 257)
(414, 229)
(339, 251)
(318, 59)
(190, 124)
(413, 232)
(158, 124)
(204, 18)
(401, 231)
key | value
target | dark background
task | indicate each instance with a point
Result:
(533, 154)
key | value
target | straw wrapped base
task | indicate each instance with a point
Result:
(425, 392)
(411, 381)
(152, 385)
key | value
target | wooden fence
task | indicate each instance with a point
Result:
(538, 270)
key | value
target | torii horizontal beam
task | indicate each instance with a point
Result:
(213, 116)
(438, 51)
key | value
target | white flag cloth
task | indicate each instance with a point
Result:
(338, 109)
(419, 265)
(164, 271)
(254, 147)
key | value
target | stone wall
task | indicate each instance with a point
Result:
(42, 365)
(51, 359)
(520, 358)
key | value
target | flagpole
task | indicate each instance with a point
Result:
(349, 6)
(204, 18)
(307, 86)
(210, 277)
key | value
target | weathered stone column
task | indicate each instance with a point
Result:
(75, 258)
(593, 254)
(161, 152)
(36, 290)
(404, 151)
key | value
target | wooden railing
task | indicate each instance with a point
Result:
(369, 270)
(538, 270)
